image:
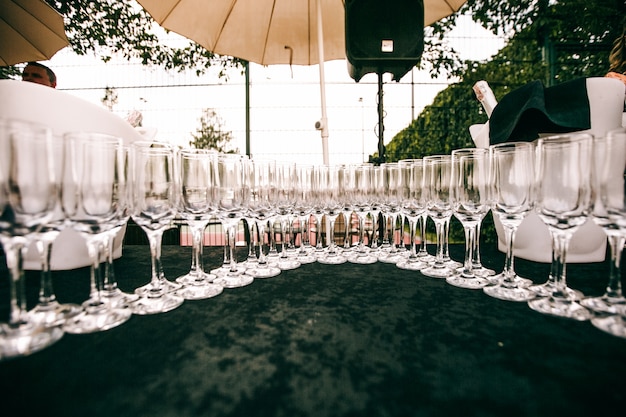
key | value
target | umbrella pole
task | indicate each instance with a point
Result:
(247, 66)
(323, 124)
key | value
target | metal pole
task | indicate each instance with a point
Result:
(381, 127)
(320, 48)
(247, 66)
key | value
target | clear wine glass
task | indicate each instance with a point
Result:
(285, 182)
(438, 171)
(110, 292)
(611, 188)
(260, 207)
(470, 203)
(48, 311)
(563, 202)
(232, 196)
(303, 208)
(93, 195)
(512, 180)
(362, 177)
(412, 205)
(390, 196)
(28, 195)
(154, 204)
(333, 198)
(197, 205)
(613, 299)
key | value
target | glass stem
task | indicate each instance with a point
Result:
(94, 245)
(261, 230)
(614, 287)
(509, 269)
(470, 238)
(423, 219)
(46, 291)
(476, 251)
(154, 239)
(374, 242)
(15, 250)
(231, 229)
(413, 250)
(440, 230)
(197, 246)
(560, 244)
(446, 232)
(109, 280)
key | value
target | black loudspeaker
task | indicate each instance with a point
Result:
(383, 36)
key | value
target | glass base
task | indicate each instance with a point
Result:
(53, 314)
(165, 286)
(604, 304)
(305, 257)
(234, 280)
(117, 298)
(200, 291)
(437, 271)
(517, 282)
(411, 264)
(546, 290)
(158, 304)
(481, 271)
(331, 259)
(226, 269)
(263, 271)
(390, 257)
(509, 293)
(615, 325)
(26, 338)
(362, 258)
(287, 264)
(560, 308)
(97, 317)
(471, 282)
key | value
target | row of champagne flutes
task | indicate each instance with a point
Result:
(94, 184)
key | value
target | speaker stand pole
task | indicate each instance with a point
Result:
(381, 126)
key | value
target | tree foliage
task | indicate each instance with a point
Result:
(552, 41)
(212, 134)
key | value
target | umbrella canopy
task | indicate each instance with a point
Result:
(30, 30)
(267, 32)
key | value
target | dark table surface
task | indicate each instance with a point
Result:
(323, 340)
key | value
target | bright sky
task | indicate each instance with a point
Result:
(285, 102)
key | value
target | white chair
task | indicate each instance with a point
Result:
(532, 239)
(63, 113)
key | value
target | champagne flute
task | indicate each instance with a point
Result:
(611, 188)
(470, 203)
(563, 202)
(303, 209)
(283, 207)
(412, 205)
(438, 171)
(360, 202)
(94, 194)
(48, 310)
(260, 208)
(197, 205)
(28, 195)
(154, 203)
(512, 180)
(333, 197)
(391, 197)
(232, 193)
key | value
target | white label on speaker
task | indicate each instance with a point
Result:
(386, 45)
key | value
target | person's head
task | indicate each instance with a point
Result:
(617, 57)
(35, 72)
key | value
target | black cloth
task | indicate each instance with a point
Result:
(533, 108)
(323, 340)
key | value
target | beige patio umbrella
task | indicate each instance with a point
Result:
(267, 32)
(30, 30)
